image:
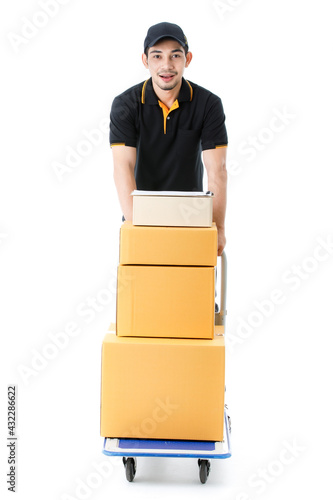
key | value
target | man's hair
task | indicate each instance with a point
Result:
(168, 38)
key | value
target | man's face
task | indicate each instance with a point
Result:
(166, 62)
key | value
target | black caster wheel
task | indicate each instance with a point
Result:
(130, 468)
(204, 468)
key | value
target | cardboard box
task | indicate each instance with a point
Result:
(218, 329)
(172, 208)
(168, 246)
(162, 388)
(165, 301)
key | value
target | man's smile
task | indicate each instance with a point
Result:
(167, 77)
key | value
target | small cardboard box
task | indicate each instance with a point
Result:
(172, 208)
(162, 388)
(168, 246)
(165, 301)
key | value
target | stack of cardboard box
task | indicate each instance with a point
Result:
(163, 366)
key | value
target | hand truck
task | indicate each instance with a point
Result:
(204, 451)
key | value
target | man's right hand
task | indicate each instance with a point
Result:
(124, 159)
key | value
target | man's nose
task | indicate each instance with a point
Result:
(168, 63)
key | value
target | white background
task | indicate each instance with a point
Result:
(59, 239)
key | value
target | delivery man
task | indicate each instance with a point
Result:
(162, 129)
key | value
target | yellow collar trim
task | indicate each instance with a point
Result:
(167, 111)
(143, 91)
(190, 89)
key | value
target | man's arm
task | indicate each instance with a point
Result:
(215, 163)
(124, 158)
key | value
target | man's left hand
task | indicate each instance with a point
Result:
(221, 241)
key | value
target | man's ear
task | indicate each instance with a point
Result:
(189, 56)
(145, 60)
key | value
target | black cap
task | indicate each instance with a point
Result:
(164, 30)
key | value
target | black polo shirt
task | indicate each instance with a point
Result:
(169, 142)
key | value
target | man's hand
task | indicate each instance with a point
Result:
(124, 159)
(215, 163)
(221, 241)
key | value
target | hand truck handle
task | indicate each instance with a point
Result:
(220, 316)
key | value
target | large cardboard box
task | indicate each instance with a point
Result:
(173, 246)
(165, 301)
(162, 388)
(172, 208)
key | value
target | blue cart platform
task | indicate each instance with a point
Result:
(130, 449)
